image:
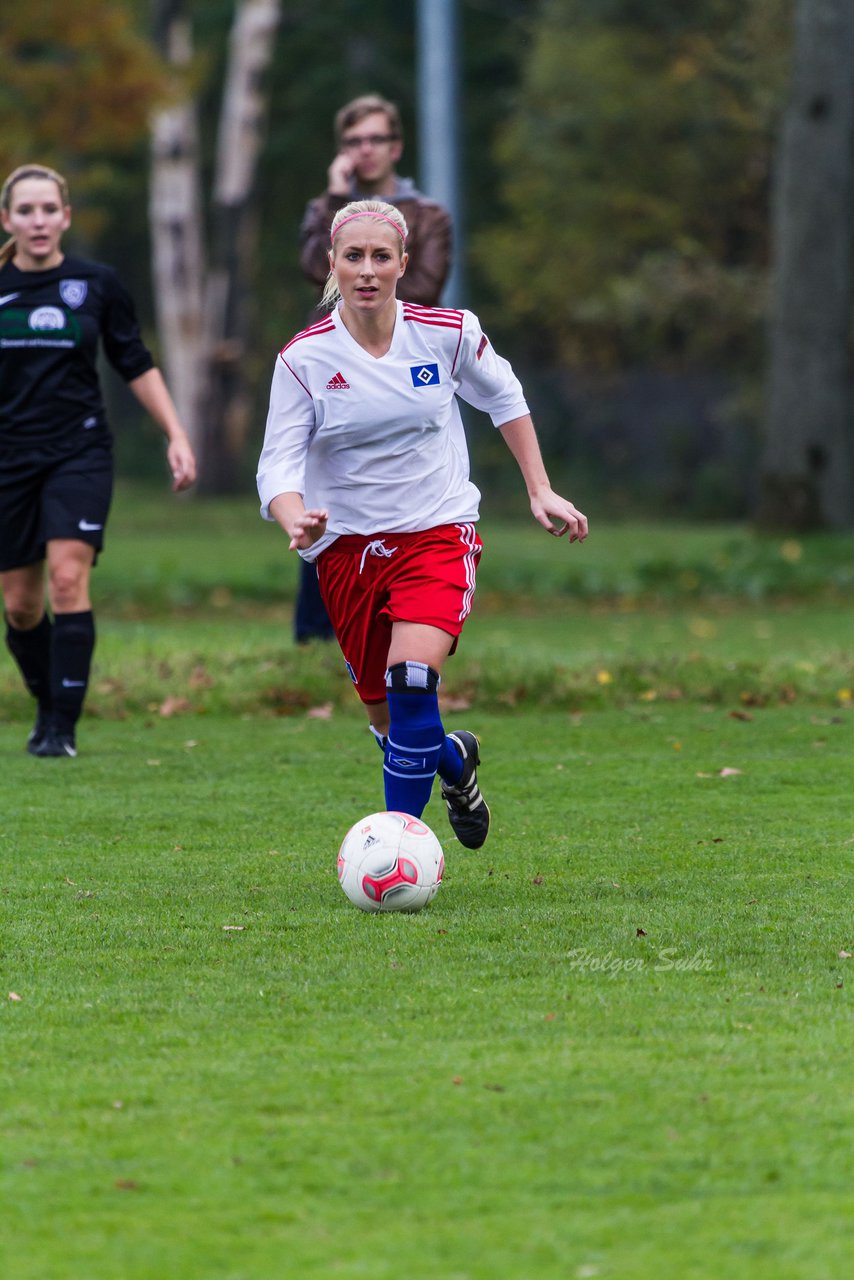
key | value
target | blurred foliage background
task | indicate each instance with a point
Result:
(616, 162)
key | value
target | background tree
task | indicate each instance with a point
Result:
(807, 462)
(78, 83)
(203, 300)
(634, 175)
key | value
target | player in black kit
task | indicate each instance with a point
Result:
(56, 469)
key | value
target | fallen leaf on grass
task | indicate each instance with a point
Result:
(323, 712)
(740, 715)
(14, 997)
(727, 772)
(454, 703)
(640, 933)
(233, 928)
(844, 955)
(173, 707)
(537, 880)
(126, 1184)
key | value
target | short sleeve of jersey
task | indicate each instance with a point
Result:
(290, 423)
(123, 344)
(484, 378)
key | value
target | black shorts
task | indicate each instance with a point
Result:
(42, 499)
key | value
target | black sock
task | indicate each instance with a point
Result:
(31, 650)
(71, 658)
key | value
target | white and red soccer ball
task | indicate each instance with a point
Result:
(390, 862)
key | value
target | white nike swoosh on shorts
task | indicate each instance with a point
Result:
(86, 527)
(7, 297)
(73, 684)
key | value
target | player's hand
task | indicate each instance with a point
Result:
(558, 516)
(307, 528)
(182, 463)
(339, 174)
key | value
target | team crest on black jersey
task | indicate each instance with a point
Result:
(424, 375)
(47, 318)
(73, 292)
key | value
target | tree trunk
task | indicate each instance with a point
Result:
(235, 243)
(175, 214)
(806, 469)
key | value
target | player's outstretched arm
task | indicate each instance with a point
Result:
(302, 526)
(547, 507)
(152, 393)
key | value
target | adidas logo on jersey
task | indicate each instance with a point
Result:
(338, 383)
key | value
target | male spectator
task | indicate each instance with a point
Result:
(369, 142)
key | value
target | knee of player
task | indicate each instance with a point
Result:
(23, 613)
(68, 586)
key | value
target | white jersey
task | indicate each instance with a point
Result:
(380, 443)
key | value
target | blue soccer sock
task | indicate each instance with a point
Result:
(450, 767)
(415, 737)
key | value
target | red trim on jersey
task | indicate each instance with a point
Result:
(322, 326)
(450, 313)
(457, 352)
(433, 316)
(298, 378)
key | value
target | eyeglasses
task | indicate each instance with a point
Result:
(371, 140)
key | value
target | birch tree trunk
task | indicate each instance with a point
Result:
(203, 310)
(175, 215)
(235, 242)
(806, 468)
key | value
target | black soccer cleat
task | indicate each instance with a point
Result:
(39, 732)
(468, 812)
(57, 745)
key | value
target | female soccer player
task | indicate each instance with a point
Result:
(56, 469)
(366, 469)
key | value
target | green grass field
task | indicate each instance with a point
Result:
(616, 1045)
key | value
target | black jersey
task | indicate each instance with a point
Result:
(50, 325)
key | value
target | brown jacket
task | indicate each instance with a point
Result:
(428, 242)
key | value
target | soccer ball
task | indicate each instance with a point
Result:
(390, 862)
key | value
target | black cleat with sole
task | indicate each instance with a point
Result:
(468, 812)
(56, 745)
(40, 731)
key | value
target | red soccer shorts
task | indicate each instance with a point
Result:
(368, 583)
